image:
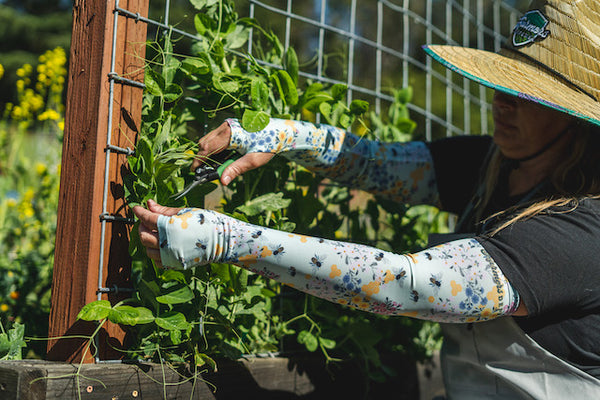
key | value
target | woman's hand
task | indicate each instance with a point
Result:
(218, 140)
(148, 227)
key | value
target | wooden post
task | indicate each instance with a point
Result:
(78, 239)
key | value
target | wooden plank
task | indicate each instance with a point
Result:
(258, 378)
(77, 254)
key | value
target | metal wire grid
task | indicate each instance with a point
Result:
(490, 19)
(472, 14)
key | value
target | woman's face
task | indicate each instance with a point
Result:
(522, 127)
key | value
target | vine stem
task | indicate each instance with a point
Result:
(85, 352)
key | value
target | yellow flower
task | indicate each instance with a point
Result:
(4, 307)
(40, 168)
(17, 112)
(28, 196)
(27, 212)
(61, 125)
(1, 71)
(11, 203)
(49, 115)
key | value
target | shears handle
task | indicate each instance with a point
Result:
(210, 174)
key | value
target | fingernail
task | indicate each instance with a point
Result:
(226, 180)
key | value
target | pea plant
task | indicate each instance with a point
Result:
(196, 316)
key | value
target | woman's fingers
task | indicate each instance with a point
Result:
(244, 164)
(162, 210)
(148, 229)
(213, 143)
(147, 218)
(148, 237)
(218, 140)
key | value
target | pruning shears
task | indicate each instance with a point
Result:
(205, 173)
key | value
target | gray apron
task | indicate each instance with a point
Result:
(497, 360)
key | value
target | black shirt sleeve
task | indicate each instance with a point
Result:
(458, 163)
(552, 261)
(552, 258)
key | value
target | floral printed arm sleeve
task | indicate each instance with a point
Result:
(399, 171)
(454, 282)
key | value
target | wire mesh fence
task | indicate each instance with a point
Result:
(373, 46)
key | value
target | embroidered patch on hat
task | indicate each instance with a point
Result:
(531, 27)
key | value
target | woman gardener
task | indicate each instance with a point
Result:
(516, 288)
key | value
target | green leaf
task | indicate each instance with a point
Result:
(172, 321)
(173, 275)
(359, 107)
(200, 23)
(277, 82)
(259, 93)
(95, 311)
(203, 359)
(308, 340)
(175, 336)
(338, 91)
(12, 343)
(148, 291)
(172, 92)
(225, 83)
(404, 96)
(291, 64)
(155, 83)
(195, 66)
(145, 316)
(238, 37)
(218, 50)
(181, 294)
(290, 92)
(345, 121)
(161, 138)
(267, 202)
(254, 121)
(325, 109)
(125, 315)
(327, 343)
(198, 4)
(406, 125)
(170, 69)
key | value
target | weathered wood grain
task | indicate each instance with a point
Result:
(302, 377)
(77, 255)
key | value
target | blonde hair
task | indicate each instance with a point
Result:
(575, 178)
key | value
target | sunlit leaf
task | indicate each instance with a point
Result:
(254, 121)
(308, 340)
(267, 202)
(182, 294)
(95, 311)
(172, 321)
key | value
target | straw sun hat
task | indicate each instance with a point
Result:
(552, 58)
